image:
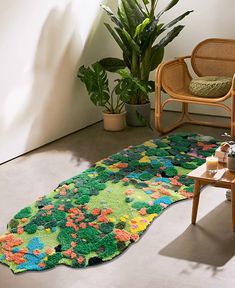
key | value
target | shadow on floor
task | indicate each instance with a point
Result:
(211, 241)
(93, 143)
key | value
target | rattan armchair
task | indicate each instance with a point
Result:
(211, 57)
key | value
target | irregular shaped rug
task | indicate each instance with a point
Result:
(94, 216)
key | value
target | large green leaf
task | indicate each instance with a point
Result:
(112, 16)
(179, 18)
(130, 86)
(123, 90)
(127, 58)
(169, 37)
(131, 15)
(149, 35)
(168, 7)
(156, 58)
(146, 2)
(144, 12)
(124, 73)
(122, 16)
(116, 37)
(125, 40)
(153, 30)
(153, 7)
(127, 49)
(96, 82)
(137, 84)
(132, 42)
(140, 28)
(112, 64)
(145, 65)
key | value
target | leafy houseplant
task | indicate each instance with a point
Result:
(231, 158)
(136, 28)
(231, 152)
(96, 81)
(229, 148)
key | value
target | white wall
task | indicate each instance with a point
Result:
(210, 19)
(42, 45)
(44, 42)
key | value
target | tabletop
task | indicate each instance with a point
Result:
(222, 176)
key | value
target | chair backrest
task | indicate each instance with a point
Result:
(214, 57)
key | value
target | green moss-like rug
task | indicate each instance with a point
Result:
(94, 216)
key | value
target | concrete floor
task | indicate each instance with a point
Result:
(172, 253)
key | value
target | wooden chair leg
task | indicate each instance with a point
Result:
(158, 106)
(185, 108)
(159, 110)
(170, 128)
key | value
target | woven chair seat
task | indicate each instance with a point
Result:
(210, 86)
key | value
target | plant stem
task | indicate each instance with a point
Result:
(141, 9)
(121, 106)
(118, 100)
(146, 7)
(135, 65)
(107, 107)
(155, 5)
(111, 98)
(152, 9)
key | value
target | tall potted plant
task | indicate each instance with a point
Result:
(136, 28)
(97, 83)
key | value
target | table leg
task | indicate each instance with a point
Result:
(196, 197)
(233, 205)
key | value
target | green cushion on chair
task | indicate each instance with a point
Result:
(210, 86)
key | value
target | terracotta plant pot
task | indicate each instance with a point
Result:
(114, 122)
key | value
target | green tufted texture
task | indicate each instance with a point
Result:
(210, 86)
(94, 216)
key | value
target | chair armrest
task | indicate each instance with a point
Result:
(173, 75)
(176, 59)
(233, 85)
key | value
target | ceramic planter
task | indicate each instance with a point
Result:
(143, 109)
(114, 122)
(231, 163)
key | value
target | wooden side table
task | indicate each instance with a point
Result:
(223, 178)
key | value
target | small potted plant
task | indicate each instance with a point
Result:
(228, 148)
(231, 158)
(96, 81)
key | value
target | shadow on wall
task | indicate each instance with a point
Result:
(64, 106)
(53, 101)
(59, 55)
(52, 91)
(210, 241)
(99, 42)
(46, 100)
(50, 102)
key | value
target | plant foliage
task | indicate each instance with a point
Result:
(96, 81)
(136, 29)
